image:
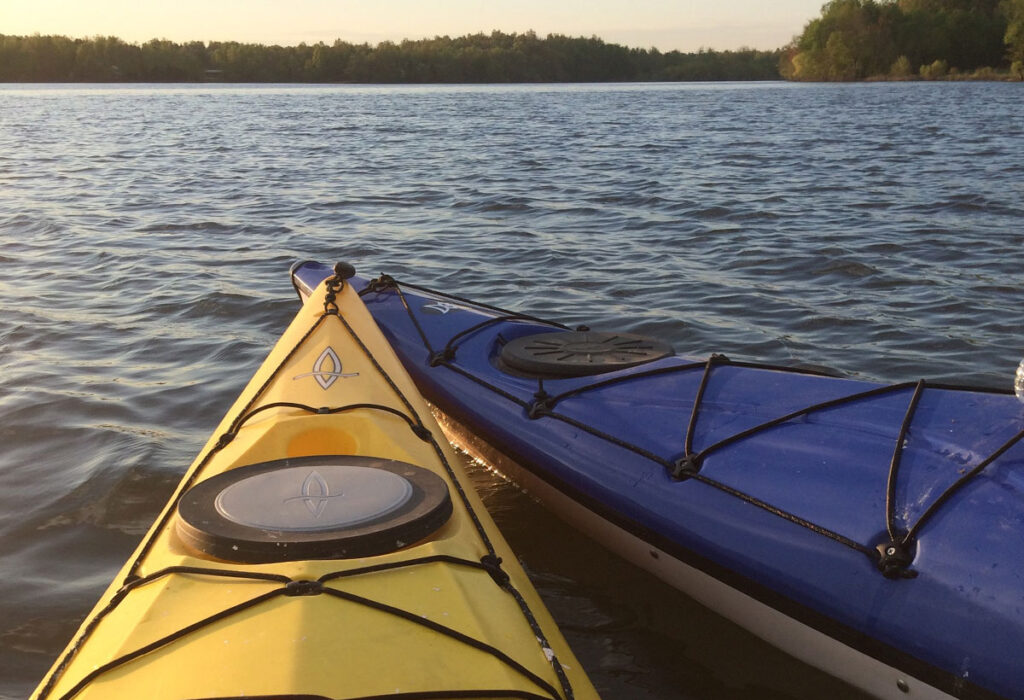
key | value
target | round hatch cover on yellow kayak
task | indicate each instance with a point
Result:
(331, 506)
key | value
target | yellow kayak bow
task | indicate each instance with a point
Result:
(325, 544)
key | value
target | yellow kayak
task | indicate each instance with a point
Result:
(325, 544)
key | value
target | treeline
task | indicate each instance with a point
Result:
(903, 39)
(479, 58)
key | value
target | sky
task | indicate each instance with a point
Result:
(685, 25)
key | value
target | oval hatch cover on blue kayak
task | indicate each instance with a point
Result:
(580, 353)
(323, 507)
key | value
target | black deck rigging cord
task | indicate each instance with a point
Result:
(892, 558)
(302, 588)
(489, 562)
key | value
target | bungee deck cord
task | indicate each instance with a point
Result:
(489, 562)
(892, 558)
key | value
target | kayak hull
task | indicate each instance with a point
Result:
(767, 622)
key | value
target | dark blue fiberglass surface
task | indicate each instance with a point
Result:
(752, 522)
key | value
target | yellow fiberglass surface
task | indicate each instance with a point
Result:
(324, 544)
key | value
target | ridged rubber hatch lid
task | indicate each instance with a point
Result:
(580, 353)
(323, 507)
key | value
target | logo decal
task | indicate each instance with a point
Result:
(315, 494)
(440, 307)
(327, 369)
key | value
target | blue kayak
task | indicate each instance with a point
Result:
(874, 531)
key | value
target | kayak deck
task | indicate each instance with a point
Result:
(449, 613)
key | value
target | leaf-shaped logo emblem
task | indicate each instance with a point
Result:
(327, 369)
(315, 494)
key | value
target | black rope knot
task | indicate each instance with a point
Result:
(380, 284)
(441, 357)
(224, 439)
(492, 565)
(422, 432)
(330, 306)
(894, 558)
(305, 587)
(541, 405)
(538, 409)
(342, 271)
(324, 410)
(686, 467)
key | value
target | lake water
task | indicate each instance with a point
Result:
(146, 235)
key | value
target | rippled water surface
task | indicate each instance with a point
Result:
(147, 231)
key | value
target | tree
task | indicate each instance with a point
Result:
(853, 39)
(901, 68)
(856, 39)
(1013, 12)
(494, 57)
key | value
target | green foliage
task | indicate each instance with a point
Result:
(901, 68)
(935, 70)
(852, 40)
(858, 39)
(1013, 12)
(745, 64)
(477, 58)
(983, 73)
